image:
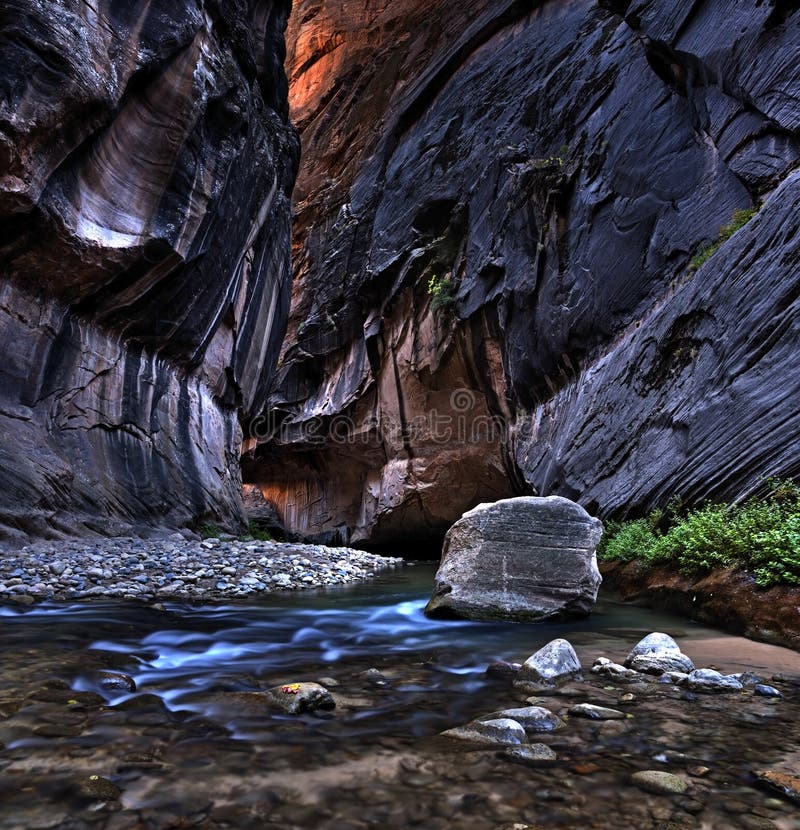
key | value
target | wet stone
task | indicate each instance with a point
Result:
(658, 653)
(97, 788)
(531, 755)
(592, 712)
(783, 783)
(659, 782)
(502, 669)
(712, 682)
(763, 690)
(295, 698)
(490, 731)
(553, 664)
(115, 681)
(532, 718)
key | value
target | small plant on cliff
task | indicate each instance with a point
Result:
(442, 291)
(761, 536)
(738, 221)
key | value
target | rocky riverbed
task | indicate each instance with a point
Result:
(347, 709)
(178, 568)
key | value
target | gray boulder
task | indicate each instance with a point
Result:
(710, 681)
(491, 731)
(524, 559)
(532, 718)
(658, 653)
(555, 663)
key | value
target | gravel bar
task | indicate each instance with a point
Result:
(178, 568)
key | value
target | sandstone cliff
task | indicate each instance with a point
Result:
(146, 162)
(555, 166)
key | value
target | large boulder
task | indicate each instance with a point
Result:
(523, 559)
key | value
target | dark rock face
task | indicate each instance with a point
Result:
(523, 559)
(554, 169)
(725, 599)
(146, 162)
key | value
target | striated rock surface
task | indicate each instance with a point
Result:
(525, 559)
(496, 216)
(146, 162)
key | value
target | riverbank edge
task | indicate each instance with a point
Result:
(179, 569)
(728, 599)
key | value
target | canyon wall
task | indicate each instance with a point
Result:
(146, 166)
(504, 278)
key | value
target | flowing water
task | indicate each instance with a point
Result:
(196, 745)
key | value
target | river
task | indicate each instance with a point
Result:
(195, 746)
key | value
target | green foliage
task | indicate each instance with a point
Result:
(256, 533)
(739, 219)
(761, 536)
(253, 533)
(626, 541)
(443, 292)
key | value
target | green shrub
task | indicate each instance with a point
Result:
(209, 531)
(706, 539)
(256, 533)
(761, 536)
(739, 219)
(627, 541)
(443, 292)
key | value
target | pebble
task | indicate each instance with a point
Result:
(659, 782)
(98, 789)
(763, 690)
(179, 568)
(589, 710)
(531, 755)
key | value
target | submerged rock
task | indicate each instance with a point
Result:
(98, 788)
(659, 782)
(523, 559)
(781, 782)
(658, 653)
(500, 668)
(116, 681)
